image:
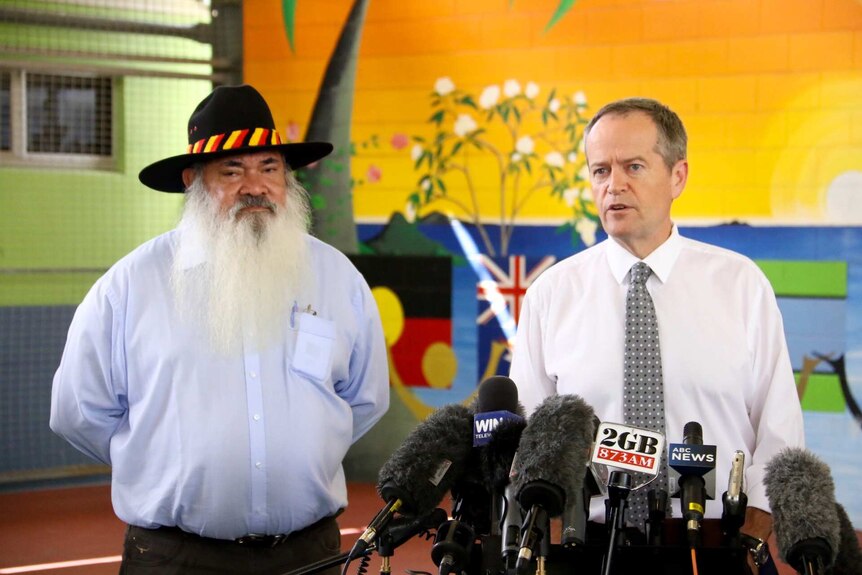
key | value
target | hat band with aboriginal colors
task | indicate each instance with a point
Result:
(235, 140)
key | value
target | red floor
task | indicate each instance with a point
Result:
(56, 525)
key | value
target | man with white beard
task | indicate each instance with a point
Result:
(224, 368)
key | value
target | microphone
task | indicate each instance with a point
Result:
(656, 514)
(497, 401)
(692, 461)
(422, 469)
(498, 465)
(805, 519)
(734, 501)
(453, 546)
(577, 509)
(552, 458)
(849, 559)
(475, 509)
(497, 408)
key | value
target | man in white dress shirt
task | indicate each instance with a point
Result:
(724, 357)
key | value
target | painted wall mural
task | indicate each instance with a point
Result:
(458, 130)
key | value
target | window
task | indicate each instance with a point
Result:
(5, 112)
(57, 120)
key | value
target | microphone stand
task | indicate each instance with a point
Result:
(398, 532)
(657, 505)
(619, 487)
(510, 531)
(386, 549)
(324, 564)
(537, 524)
(544, 547)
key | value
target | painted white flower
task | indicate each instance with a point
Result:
(571, 157)
(410, 212)
(516, 157)
(464, 125)
(554, 105)
(425, 184)
(511, 88)
(444, 85)
(525, 145)
(532, 90)
(415, 152)
(587, 194)
(586, 228)
(555, 160)
(570, 195)
(584, 173)
(489, 97)
(580, 98)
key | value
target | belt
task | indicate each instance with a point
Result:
(255, 540)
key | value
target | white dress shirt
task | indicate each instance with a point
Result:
(221, 446)
(724, 357)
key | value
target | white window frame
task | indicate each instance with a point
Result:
(19, 157)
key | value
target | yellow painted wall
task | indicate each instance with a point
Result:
(770, 90)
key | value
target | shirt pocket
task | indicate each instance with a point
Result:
(315, 346)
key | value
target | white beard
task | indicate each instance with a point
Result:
(255, 267)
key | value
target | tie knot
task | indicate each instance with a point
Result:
(640, 273)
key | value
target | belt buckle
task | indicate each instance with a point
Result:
(260, 539)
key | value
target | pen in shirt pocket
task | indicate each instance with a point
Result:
(308, 309)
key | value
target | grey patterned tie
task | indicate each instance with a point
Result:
(643, 393)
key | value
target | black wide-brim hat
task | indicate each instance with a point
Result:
(231, 120)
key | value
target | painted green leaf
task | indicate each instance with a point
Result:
(288, 11)
(562, 9)
(318, 202)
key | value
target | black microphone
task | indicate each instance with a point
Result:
(692, 460)
(656, 515)
(422, 469)
(849, 559)
(496, 405)
(453, 546)
(497, 462)
(499, 422)
(472, 514)
(552, 457)
(577, 509)
(801, 494)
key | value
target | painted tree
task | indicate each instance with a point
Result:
(329, 182)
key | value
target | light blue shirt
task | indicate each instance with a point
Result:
(219, 446)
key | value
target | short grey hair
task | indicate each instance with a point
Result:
(672, 139)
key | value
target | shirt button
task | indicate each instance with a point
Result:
(257, 417)
(258, 464)
(253, 374)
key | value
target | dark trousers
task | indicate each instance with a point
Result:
(169, 551)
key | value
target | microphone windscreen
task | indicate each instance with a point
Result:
(429, 461)
(692, 433)
(801, 494)
(499, 452)
(555, 445)
(849, 559)
(498, 393)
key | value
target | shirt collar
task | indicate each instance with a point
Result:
(660, 261)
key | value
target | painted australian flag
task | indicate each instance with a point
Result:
(500, 293)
